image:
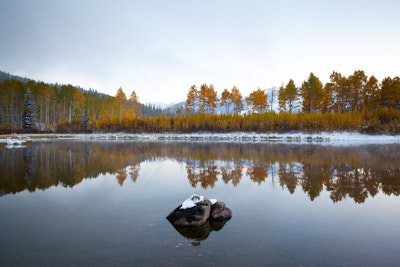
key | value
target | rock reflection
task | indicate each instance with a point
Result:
(200, 233)
(344, 172)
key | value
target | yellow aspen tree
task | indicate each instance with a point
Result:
(134, 104)
(191, 100)
(226, 99)
(236, 98)
(258, 101)
(120, 102)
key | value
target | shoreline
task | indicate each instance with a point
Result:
(322, 138)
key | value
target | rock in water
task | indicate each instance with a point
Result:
(219, 212)
(196, 210)
(191, 217)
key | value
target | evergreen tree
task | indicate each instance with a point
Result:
(85, 121)
(29, 112)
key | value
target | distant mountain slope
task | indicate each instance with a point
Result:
(8, 76)
(177, 105)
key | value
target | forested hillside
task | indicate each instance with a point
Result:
(353, 103)
(57, 107)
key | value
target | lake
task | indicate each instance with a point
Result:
(104, 203)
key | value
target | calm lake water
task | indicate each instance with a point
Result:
(78, 203)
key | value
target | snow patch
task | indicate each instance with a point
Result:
(191, 201)
(194, 199)
(331, 138)
(13, 142)
(213, 201)
(323, 138)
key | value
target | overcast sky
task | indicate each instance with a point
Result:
(160, 48)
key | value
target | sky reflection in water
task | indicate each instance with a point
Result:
(292, 205)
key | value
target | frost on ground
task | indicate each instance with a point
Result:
(329, 138)
(338, 138)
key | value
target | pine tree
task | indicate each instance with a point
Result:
(29, 113)
(85, 121)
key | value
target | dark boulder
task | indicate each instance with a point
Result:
(191, 217)
(219, 212)
(196, 210)
(198, 216)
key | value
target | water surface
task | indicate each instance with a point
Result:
(77, 203)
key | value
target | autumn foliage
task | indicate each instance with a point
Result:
(354, 103)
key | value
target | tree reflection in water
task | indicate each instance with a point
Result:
(355, 172)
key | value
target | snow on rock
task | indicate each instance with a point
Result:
(191, 201)
(194, 199)
(197, 210)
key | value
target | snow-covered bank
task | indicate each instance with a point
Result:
(325, 138)
(14, 142)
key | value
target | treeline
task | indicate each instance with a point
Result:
(354, 103)
(355, 93)
(26, 105)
